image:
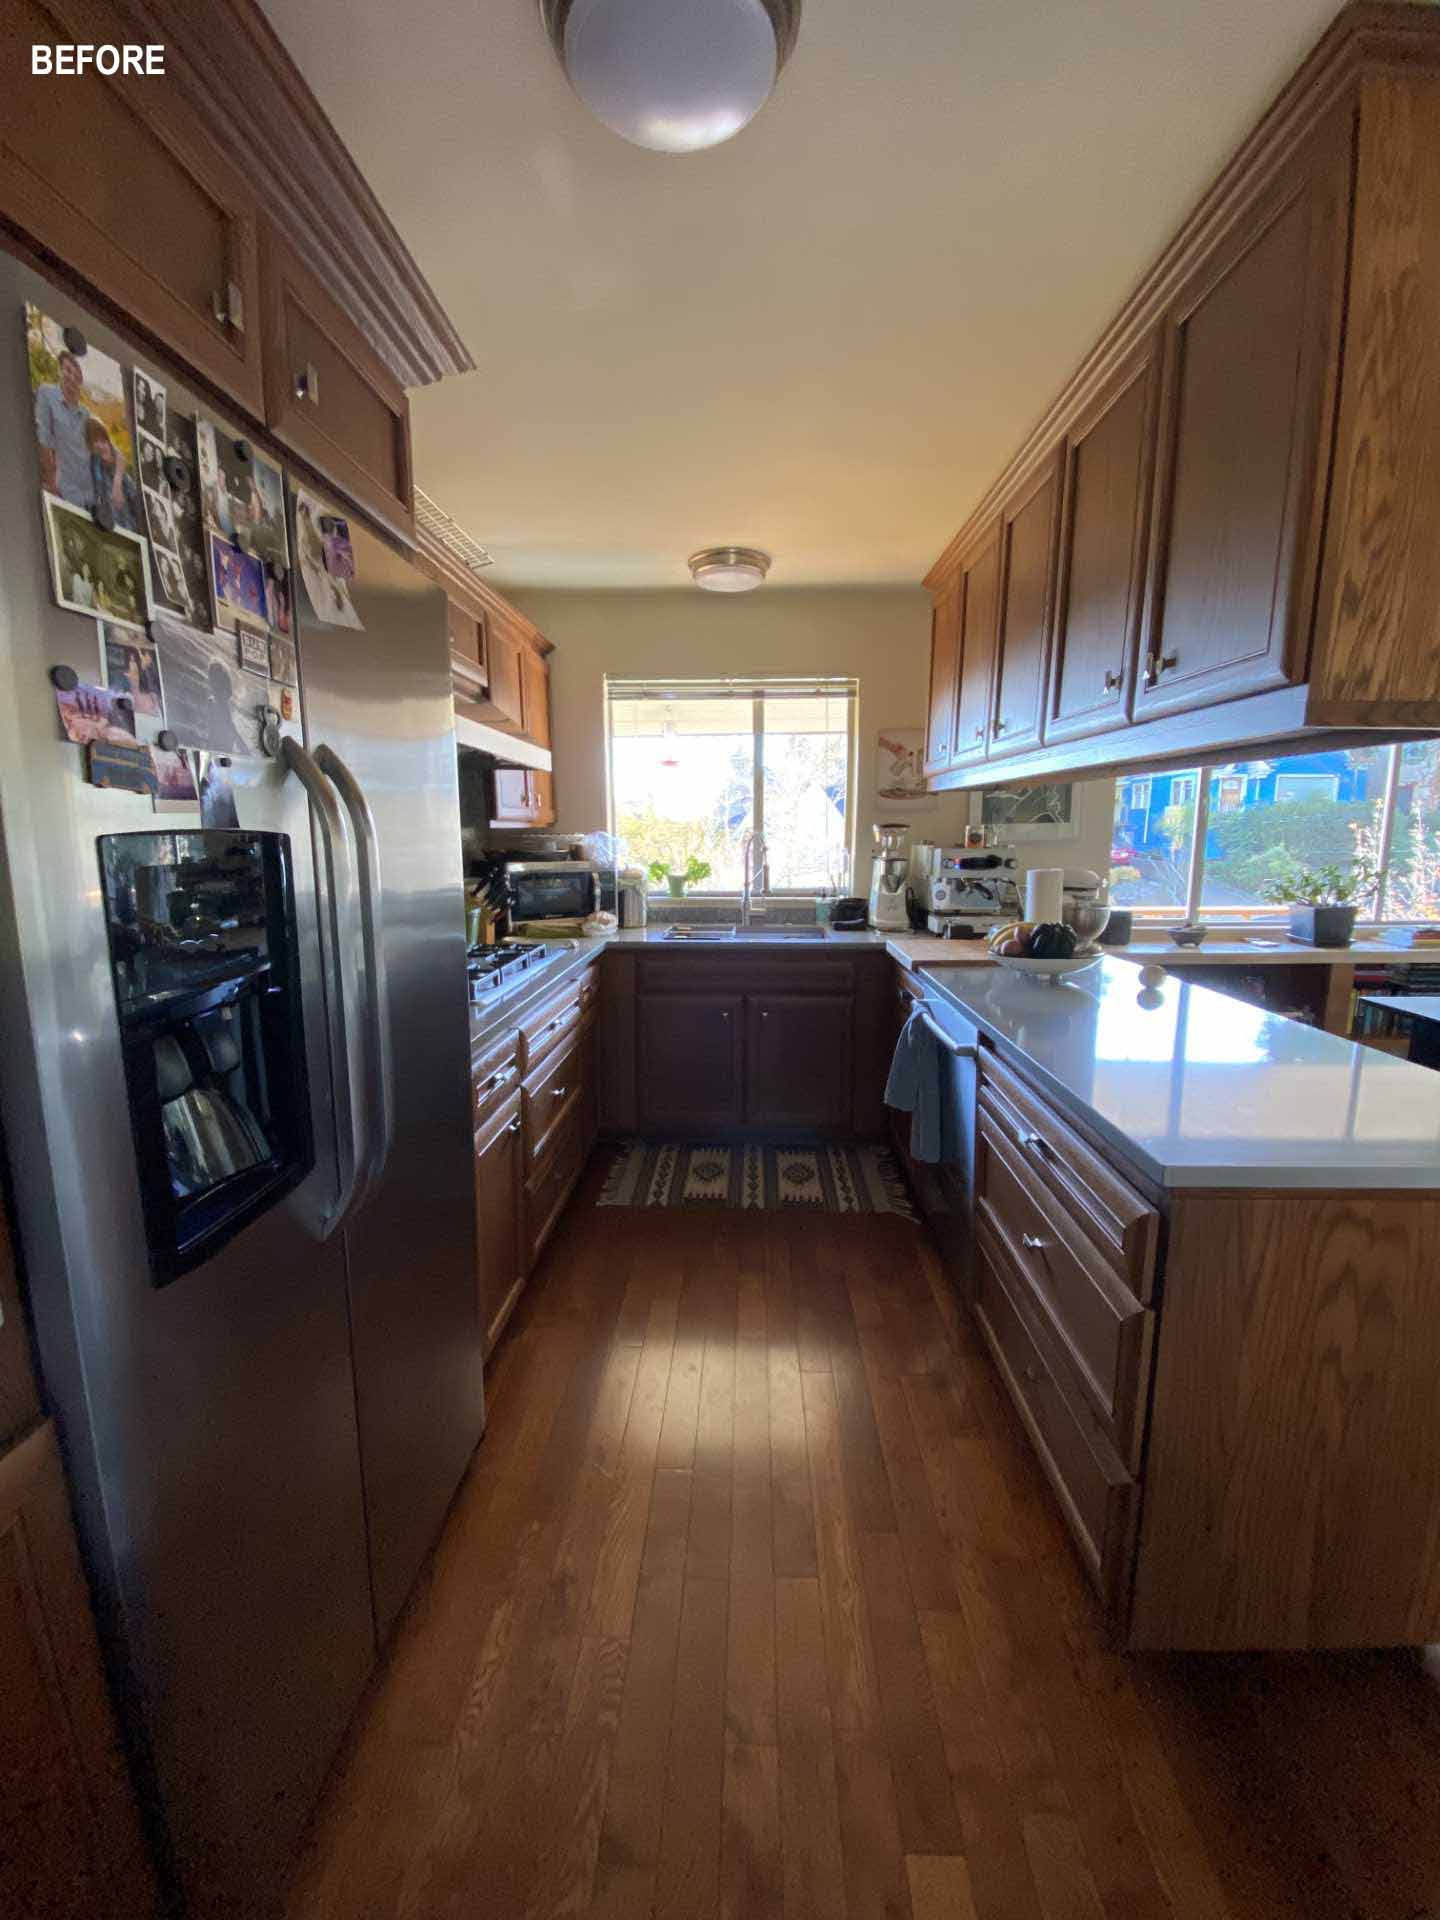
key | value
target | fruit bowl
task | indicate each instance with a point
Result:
(1047, 973)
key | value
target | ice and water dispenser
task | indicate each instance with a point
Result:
(207, 986)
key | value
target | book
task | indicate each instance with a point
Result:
(1410, 936)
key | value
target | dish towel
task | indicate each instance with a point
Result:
(914, 1086)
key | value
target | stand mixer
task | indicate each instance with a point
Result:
(890, 878)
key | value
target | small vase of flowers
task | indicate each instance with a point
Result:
(695, 870)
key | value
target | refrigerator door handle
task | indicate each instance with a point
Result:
(348, 1154)
(381, 1119)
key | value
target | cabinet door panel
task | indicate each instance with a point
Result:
(512, 804)
(69, 1837)
(798, 1059)
(690, 1061)
(504, 703)
(329, 396)
(535, 696)
(112, 177)
(980, 604)
(1022, 649)
(499, 1225)
(1248, 416)
(1109, 461)
(944, 666)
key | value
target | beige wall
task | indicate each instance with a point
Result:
(880, 635)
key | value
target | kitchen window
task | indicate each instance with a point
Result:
(697, 765)
(1209, 842)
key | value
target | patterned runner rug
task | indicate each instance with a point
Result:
(831, 1179)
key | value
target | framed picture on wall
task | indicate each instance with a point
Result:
(1029, 813)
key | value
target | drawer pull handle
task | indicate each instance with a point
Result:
(1035, 1142)
(1112, 680)
(558, 1093)
(514, 1126)
(307, 384)
(1034, 1242)
(1031, 1372)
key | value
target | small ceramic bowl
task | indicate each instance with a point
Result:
(1189, 934)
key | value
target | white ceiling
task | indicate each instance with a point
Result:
(823, 338)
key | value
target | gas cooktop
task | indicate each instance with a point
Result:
(491, 968)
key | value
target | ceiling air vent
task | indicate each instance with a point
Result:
(444, 532)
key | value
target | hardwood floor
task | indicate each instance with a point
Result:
(753, 1605)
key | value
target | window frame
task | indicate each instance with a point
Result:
(761, 687)
(1267, 914)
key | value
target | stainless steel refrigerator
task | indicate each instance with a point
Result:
(261, 1451)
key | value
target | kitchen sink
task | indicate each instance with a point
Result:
(712, 935)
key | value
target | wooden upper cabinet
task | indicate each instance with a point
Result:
(1108, 459)
(113, 177)
(1247, 422)
(504, 702)
(535, 696)
(1022, 647)
(329, 396)
(979, 606)
(944, 674)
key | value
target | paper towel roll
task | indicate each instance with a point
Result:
(1043, 893)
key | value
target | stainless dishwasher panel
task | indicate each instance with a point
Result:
(950, 1189)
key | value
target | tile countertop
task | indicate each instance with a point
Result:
(1198, 1090)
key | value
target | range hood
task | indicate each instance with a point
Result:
(470, 685)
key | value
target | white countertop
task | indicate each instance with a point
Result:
(1199, 1090)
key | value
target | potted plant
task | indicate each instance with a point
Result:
(1324, 901)
(694, 872)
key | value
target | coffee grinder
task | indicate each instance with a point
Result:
(890, 878)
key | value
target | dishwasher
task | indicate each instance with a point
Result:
(946, 1188)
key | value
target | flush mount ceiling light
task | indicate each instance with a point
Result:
(673, 75)
(729, 569)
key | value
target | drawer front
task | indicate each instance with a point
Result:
(329, 396)
(708, 971)
(543, 1030)
(1102, 1203)
(1097, 1496)
(549, 1186)
(494, 1076)
(1100, 1326)
(112, 176)
(551, 1093)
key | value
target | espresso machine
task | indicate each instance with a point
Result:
(890, 878)
(970, 890)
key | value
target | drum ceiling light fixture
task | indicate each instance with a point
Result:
(673, 75)
(729, 569)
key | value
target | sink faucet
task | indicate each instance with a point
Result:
(755, 872)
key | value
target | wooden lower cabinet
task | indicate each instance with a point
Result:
(500, 1262)
(1231, 1391)
(533, 1136)
(70, 1840)
(798, 1061)
(691, 1062)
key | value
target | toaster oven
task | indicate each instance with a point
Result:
(551, 889)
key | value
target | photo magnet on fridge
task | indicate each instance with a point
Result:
(217, 794)
(88, 714)
(242, 499)
(96, 570)
(130, 769)
(130, 667)
(238, 581)
(283, 667)
(329, 598)
(254, 648)
(175, 783)
(209, 702)
(82, 426)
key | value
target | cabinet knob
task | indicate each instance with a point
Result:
(1159, 663)
(1033, 1242)
(307, 384)
(227, 304)
(1112, 680)
(514, 1126)
(1035, 1142)
(558, 1093)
